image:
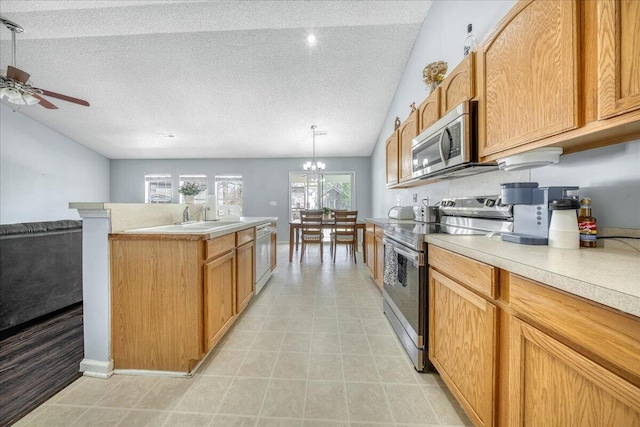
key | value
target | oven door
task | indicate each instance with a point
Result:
(405, 289)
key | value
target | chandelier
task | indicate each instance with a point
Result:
(313, 165)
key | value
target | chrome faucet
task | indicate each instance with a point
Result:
(185, 214)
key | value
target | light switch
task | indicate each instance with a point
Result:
(220, 211)
(415, 197)
(273, 203)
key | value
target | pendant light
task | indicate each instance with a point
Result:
(313, 165)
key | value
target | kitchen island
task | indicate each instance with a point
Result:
(176, 290)
(158, 295)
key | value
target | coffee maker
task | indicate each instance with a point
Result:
(531, 213)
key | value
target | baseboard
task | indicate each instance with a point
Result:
(96, 368)
(146, 372)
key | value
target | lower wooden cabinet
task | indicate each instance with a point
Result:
(553, 385)
(371, 252)
(462, 345)
(375, 252)
(515, 352)
(379, 255)
(274, 248)
(245, 275)
(219, 297)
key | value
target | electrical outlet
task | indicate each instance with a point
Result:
(415, 197)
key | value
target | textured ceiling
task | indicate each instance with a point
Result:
(227, 78)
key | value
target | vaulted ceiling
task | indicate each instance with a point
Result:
(227, 78)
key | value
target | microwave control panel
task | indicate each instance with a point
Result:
(455, 137)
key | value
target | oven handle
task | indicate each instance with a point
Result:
(413, 256)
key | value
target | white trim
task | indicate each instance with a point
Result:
(96, 368)
(94, 213)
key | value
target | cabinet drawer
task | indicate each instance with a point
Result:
(245, 236)
(370, 228)
(379, 231)
(478, 276)
(612, 336)
(220, 245)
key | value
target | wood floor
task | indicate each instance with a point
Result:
(39, 361)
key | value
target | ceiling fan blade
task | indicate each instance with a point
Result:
(46, 104)
(17, 74)
(65, 97)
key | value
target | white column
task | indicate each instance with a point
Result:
(96, 293)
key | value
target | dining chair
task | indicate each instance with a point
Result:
(311, 230)
(345, 232)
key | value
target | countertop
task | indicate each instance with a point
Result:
(200, 229)
(383, 221)
(605, 275)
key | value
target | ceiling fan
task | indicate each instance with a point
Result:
(14, 87)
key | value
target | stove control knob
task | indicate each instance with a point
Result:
(490, 203)
(452, 203)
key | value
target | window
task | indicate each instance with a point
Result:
(333, 190)
(229, 194)
(157, 188)
(201, 180)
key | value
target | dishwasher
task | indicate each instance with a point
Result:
(263, 256)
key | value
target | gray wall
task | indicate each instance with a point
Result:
(610, 175)
(264, 180)
(41, 171)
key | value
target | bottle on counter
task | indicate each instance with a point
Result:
(587, 225)
(470, 42)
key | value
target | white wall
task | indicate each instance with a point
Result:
(41, 171)
(610, 175)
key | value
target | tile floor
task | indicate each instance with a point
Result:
(313, 349)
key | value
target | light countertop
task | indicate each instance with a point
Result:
(202, 229)
(607, 276)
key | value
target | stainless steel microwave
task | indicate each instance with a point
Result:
(448, 148)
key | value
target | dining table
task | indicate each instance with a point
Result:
(294, 235)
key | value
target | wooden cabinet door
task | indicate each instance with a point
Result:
(429, 110)
(392, 159)
(274, 249)
(553, 385)
(219, 297)
(529, 76)
(618, 29)
(408, 131)
(245, 256)
(459, 86)
(379, 263)
(462, 345)
(371, 253)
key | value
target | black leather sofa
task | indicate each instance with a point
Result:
(40, 269)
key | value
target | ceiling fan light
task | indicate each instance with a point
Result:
(30, 99)
(11, 94)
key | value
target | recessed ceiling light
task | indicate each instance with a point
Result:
(167, 135)
(312, 39)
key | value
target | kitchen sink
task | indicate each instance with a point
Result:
(191, 227)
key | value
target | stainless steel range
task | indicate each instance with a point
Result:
(405, 291)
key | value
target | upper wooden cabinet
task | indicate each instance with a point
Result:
(392, 159)
(407, 131)
(429, 110)
(459, 86)
(559, 73)
(528, 75)
(618, 29)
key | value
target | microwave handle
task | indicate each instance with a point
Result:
(441, 143)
